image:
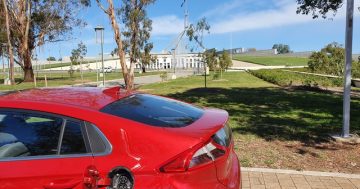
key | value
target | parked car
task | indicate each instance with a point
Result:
(60, 138)
(107, 69)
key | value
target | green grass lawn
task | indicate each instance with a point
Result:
(59, 79)
(273, 60)
(261, 108)
(288, 128)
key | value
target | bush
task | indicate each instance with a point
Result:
(356, 69)
(51, 58)
(164, 76)
(71, 72)
(330, 60)
(284, 78)
(216, 76)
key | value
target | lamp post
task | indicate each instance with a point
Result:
(99, 30)
(348, 61)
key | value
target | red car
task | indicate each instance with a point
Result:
(64, 138)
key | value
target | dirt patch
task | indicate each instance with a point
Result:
(329, 157)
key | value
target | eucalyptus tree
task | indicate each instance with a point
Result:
(36, 22)
(146, 57)
(133, 38)
(136, 31)
(77, 57)
(319, 7)
(8, 41)
(224, 62)
(195, 32)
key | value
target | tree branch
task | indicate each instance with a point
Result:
(102, 7)
(15, 60)
(19, 63)
(12, 10)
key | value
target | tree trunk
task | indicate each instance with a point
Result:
(143, 68)
(28, 74)
(3, 64)
(111, 12)
(28, 69)
(130, 80)
(133, 44)
(81, 72)
(10, 48)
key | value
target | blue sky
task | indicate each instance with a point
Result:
(240, 23)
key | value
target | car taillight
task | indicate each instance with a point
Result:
(223, 137)
(213, 149)
(206, 154)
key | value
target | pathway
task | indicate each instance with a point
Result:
(253, 178)
(142, 80)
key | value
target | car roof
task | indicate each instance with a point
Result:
(87, 97)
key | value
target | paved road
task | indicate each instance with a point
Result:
(237, 63)
(142, 80)
(297, 180)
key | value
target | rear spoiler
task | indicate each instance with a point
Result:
(117, 91)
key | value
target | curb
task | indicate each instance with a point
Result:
(293, 172)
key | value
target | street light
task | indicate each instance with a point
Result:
(347, 73)
(99, 30)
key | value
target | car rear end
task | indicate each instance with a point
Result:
(212, 163)
(195, 149)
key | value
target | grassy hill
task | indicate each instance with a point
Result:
(273, 60)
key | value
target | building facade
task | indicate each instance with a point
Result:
(163, 62)
(167, 61)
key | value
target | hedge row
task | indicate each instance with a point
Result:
(283, 78)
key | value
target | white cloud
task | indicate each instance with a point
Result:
(284, 15)
(167, 25)
(92, 41)
(225, 8)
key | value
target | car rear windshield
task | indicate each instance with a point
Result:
(154, 110)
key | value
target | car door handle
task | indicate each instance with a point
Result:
(67, 185)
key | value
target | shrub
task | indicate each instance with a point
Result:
(164, 76)
(330, 60)
(307, 82)
(51, 58)
(71, 72)
(284, 78)
(356, 69)
(216, 76)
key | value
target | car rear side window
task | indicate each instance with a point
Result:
(98, 142)
(154, 110)
(73, 140)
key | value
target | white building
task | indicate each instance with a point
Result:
(164, 61)
(167, 61)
